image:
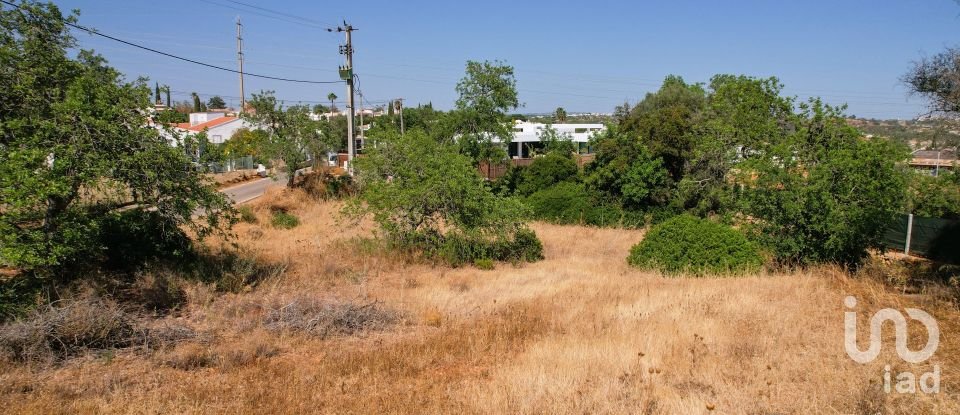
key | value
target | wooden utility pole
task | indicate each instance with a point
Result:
(240, 62)
(399, 104)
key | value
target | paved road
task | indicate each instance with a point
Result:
(251, 190)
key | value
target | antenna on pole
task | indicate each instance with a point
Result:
(240, 62)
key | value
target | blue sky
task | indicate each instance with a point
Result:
(583, 56)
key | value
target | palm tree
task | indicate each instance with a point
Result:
(332, 97)
(561, 115)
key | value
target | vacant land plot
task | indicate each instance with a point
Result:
(347, 328)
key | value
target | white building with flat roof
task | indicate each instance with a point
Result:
(526, 136)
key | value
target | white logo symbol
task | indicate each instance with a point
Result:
(900, 325)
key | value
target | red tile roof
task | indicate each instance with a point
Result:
(212, 123)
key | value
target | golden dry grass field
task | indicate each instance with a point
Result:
(579, 332)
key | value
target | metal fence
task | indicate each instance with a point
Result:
(934, 238)
(242, 163)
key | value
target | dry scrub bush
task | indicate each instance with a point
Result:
(65, 329)
(325, 318)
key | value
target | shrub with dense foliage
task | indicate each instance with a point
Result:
(935, 196)
(428, 197)
(687, 244)
(76, 145)
(571, 203)
(823, 194)
(553, 168)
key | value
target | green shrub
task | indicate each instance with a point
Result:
(547, 171)
(431, 202)
(284, 220)
(483, 263)
(247, 215)
(568, 203)
(458, 248)
(686, 244)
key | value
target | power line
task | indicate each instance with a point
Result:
(299, 20)
(94, 32)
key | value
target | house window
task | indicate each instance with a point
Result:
(518, 130)
(218, 139)
(579, 130)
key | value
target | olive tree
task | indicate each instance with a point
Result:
(76, 145)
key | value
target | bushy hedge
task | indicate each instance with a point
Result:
(571, 203)
(547, 171)
(687, 244)
(458, 248)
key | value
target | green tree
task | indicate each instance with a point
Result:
(332, 98)
(75, 145)
(291, 133)
(560, 115)
(823, 194)
(216, 103)
(170, 117)
(156, 87)
(555, 142)
(421, 191)
(742, 117)
(664, 120)
(487, 92)
(320, 109)
(245, 142)
(625, 170)
(546, 171)
(934, 196)
(197, 105)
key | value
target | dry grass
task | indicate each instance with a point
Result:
(579, 332)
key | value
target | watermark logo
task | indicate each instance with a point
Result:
(906, 381)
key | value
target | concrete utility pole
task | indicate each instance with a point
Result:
(240, 62)
(399, 105)
(346, 74)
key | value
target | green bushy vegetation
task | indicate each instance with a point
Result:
(687, 244)
(553, 168)
(246, 214)
(571, 203)
(284, 220)
(427, 197)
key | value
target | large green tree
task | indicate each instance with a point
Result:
(75, 145)
(487, 92)
(291, 134)
(425, 194)
(216, 103)
(823, 194)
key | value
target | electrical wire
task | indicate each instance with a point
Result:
(170, 55)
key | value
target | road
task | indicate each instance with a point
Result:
(248, 191)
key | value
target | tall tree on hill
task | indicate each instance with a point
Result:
(156, 87)
(167, 89)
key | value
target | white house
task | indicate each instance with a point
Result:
(218, 125)
(526, 136)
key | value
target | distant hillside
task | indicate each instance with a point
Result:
(929, 134)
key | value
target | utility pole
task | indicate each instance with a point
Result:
(346, 74)
(399, 105)
(240, 62)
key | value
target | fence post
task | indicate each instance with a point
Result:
(906, 248)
